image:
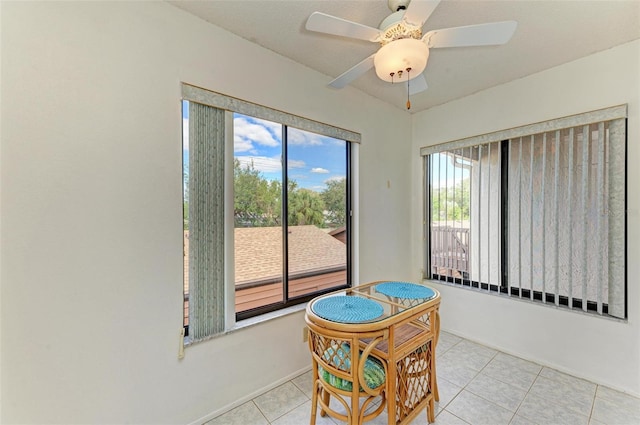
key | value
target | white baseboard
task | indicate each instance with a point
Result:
(249, 397)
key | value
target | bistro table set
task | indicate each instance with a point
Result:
(374, 342)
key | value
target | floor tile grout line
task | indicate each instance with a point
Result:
(456, 395)
(500, 380)
(529, 391)
(260, 410)
(558, 381)
(444, 410)
(301, 389)
(551, 402)
(293, 408)
(525, 397)
(463, 388)
(593, 403)
(490, 401)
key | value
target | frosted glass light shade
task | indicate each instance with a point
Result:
(400, 55)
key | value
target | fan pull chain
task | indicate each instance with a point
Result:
(408, 91)
(392, 74)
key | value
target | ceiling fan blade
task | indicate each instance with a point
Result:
(321, 22)
(418, 84)
(419, 11)
(473, 35)
(353, 73)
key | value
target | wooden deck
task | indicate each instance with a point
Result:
(272, 293)
(261, 295)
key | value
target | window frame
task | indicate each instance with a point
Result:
(233, 105)
(504, 138)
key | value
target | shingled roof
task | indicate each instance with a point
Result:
(258, 253)
(317, 261)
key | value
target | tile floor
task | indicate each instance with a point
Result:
(478, 385)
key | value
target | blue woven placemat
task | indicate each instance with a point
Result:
(405, 290)
(347, 309)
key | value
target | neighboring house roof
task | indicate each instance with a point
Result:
(340, 234)
(338, 231)
(258, 253)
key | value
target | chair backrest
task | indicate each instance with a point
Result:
(339, 363)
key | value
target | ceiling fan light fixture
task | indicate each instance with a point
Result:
(398, 56)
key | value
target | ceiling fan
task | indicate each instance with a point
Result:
(404, 49)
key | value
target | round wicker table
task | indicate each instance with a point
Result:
(395, 326)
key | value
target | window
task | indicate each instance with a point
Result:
(536, 212)
(315, 243)
(260, 236)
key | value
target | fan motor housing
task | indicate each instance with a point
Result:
(396, 5)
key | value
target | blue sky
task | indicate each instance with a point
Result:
(444, 173)
(313, 159)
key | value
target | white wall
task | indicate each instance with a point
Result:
(91, 244)
(602, 350)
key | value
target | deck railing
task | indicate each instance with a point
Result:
(450, 251)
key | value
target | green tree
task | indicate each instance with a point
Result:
(185, 198)
(335, 202)
(257, 201)
(451, 203)
(305, 207)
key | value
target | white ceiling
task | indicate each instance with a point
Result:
(549, 33)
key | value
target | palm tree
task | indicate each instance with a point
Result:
(305, 207)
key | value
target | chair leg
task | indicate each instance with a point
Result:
(314, 403)
(431, 414)
(436, 394)
(326, 398)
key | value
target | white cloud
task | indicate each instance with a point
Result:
(261, 163)
(298, 177)
(243, 145)
(334, 178)
(266, 164)
(246, 133)
(185, 134)
(296, 163)
(273, 127)
(304, 138)
(319, 170)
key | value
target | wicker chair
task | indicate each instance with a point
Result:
(347, 372)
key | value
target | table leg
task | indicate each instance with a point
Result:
(391, 393)
(436, 336)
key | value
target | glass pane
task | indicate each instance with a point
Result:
(185, 208)
(317, 212)
(450, 213)
(257, 206)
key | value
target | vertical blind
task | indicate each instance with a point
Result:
(547, 211)
(206, 220)
(559, 208)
